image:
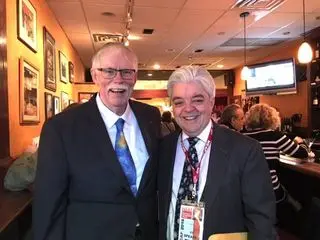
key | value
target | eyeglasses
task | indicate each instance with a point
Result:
(110, 73)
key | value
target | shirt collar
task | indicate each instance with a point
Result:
(127, 116)
(203, 136)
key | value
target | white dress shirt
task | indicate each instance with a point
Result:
(178, 169)
(131, 132)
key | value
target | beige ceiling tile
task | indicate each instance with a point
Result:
(209, 4)
(94, 13)
(277, 20)
(295, 6)
(67, 10)
(154, 16)
(156, 3)
(74, 26)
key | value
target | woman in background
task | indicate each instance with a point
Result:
(262, 122)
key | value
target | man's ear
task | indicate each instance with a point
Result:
(93, 75)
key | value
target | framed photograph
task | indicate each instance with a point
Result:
(84, 96)
(64, 100)
(56, 105)
(49, 50)
(63, 63)
(29, 93)
(48, 103)
(71, 72)
(27, 24)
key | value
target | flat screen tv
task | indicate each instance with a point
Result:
(276, 77)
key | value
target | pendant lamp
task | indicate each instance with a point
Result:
(305, 53)
(245, 70)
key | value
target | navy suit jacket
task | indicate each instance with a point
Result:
(81, 191)
(238, 194)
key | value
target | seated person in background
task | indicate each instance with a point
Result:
(233, 117)
(167, 125)
(261, 122)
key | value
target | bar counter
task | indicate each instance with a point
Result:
(305, 167)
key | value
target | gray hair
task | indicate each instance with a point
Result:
(114, 46)
(188, 74)
(262, 116)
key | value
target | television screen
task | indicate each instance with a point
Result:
(271, 78)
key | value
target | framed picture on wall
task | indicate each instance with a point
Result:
(56, 105)
(29, 93)
(27, 24)
(48, 103)
(63, 64)
(49, 55)
(71, 72)
(64, 100)
(84, 96)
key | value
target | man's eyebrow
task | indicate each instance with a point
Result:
(176, 98)
(198, 95)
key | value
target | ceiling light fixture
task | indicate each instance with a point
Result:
(156, 66)
(305, 52)
(128, 22)
(245, 70)
(220, 66)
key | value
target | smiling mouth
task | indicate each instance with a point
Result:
(117, 90)
(190, 118)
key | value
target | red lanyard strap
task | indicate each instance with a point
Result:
(196, 169)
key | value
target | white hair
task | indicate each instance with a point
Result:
(187, 74)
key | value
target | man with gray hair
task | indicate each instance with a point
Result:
(96, 176)
(211, 179)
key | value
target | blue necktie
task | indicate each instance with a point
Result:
(186, 183)
(124, 156)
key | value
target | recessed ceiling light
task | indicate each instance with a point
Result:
(108, 14)
(221, 33)
(286, 33)
(220, 66)
(149, 74)
(156, 66)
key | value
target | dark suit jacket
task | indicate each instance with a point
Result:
(81, 191)
(238, 193)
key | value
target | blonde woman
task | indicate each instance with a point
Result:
(262, 122)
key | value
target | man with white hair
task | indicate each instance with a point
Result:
(210, 170)
(96, 176)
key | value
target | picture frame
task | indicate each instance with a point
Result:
(48, 103)
(56, 105)
(49, 55)
(63, 68)
(84, 96)
(27, 24)
(71, 72)
(29, 93)
(64, 100)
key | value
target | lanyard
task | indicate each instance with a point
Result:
(196, 169)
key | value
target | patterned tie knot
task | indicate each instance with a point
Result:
(193, 141)
(119, 124)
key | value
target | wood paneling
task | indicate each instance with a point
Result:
(4, 113)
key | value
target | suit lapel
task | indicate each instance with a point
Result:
(169, 156)
(218, 164)
(99, 136)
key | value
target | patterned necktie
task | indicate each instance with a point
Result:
(124, 156)
(186, 183)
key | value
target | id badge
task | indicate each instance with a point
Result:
(191, 221)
